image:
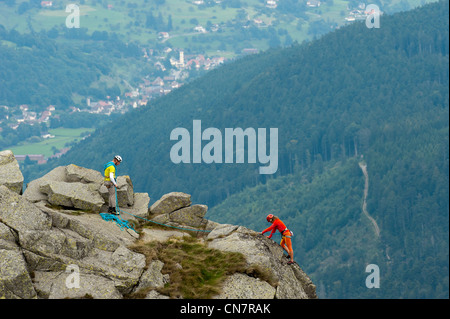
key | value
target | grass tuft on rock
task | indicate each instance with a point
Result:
(196, 271)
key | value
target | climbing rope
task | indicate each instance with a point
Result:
(123, 223)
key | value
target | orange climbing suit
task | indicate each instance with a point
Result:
(285, 234)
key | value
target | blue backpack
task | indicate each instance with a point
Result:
(106, 166)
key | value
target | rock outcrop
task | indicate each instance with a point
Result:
(292, 282)
(54, 244)
(10, 173)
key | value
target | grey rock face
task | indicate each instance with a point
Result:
(33, 194)
(80, 174)
(77, 195)
(268, 255)
(241, 286)
(66, 252)
(19, 214)
(10, 173)
(170, 202)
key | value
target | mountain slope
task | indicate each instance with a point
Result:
(334, 240)
(381, 92)
(330, 98)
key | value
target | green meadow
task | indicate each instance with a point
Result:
(63, 138)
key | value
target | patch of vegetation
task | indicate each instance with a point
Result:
(196, 271)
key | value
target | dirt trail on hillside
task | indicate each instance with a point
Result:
(363, 167)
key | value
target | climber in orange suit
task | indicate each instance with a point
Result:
(286, 234)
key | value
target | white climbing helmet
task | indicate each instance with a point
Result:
(118, 158)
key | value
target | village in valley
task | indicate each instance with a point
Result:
(175, 69)
(173, 66)
(133, 97)
(172, 69)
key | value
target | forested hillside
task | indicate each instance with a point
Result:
(332, 238)
(329, 99)
(334, 241)
(40, 71)
(381, 93)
